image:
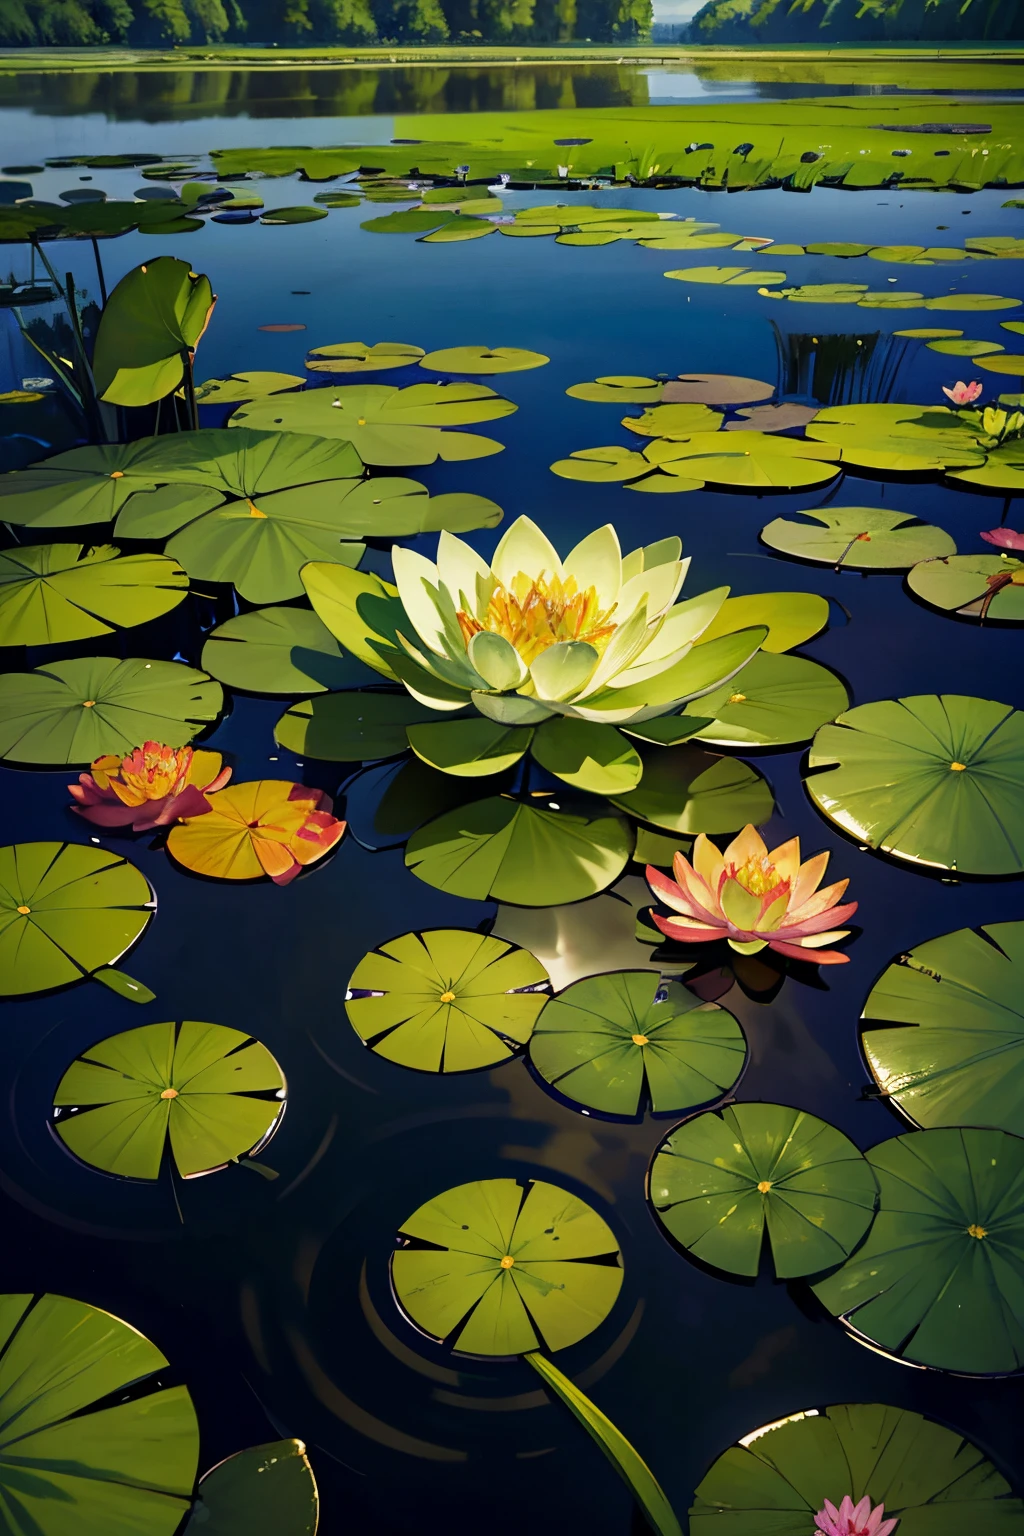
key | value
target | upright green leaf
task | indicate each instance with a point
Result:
(150, 326)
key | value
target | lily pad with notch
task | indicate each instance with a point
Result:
(943, 1029)
(482, 360)
(76, 711)
(716, 389)
(246, 386)
(357, 357)
(727, 277)
(754, 460)
(974, 586)
(685, 789)
(615, 465)
(446, 1000)
(774, 701)
(858, 538)
(351, 726)
(937, 780)
(936, 1281)
(619, 389)
(616, 1040)
(279, 650)
(725, 1181)
(208, 1094)
(262, 1490)
(54, 593)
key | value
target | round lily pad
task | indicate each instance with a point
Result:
(929, 333)
(482, 360)
(500, 1268)
(755, 460)
(246, 386)
(1002, 470)
(66, 911)
(724, 1178)
(267, 1488)
(355, 725)
(791, 618)
(619, 389)
(92, 1442)
(54, 593)
(675, 420)
(936, 1282)
(774, 701)
(299, 214)
(602, 466)
(76, 711)
(903, 439)
(1003, 362)
(930, 1478)
(278, 650)
(357, 357)
(772, 418)
(937, 780)
(732, 277)
(529, 853)
(860, 538)
(463, 228)
(983, 586)
(716, 389)
(971, 301)
(963, 347)
(81, 486)
(943, 1029)
(615, 1041)
(446, 1000)
(686, 790)
(213, 1094)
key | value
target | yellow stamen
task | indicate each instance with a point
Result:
(532, 614)
(88, 703)
(507, 1261)
(24, 911)
(640, 1040)
(169, 1093)
(117, 474)
(738, 698)
(764, 1186)
(447, 997)
(758, 876)
(957, 767)
(975, 1231)
(360, 421)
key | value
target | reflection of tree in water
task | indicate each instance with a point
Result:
(171, 95)
(838, 369)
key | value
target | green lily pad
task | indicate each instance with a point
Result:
(246, 386)
(482, 360)
(687, 790)
(446, 1000)
(54, 593)
(971, 301)
(612, 1041)
(756, 460)
(928, 333)
(934, 779)
(469, 749)
(213, 1094)
(463, 228)
(716, 389)
(723, 1178)
(412, 221)
(858, 538)
(356, 725)
(265, 1489)
(499, 1268)
(532, 854)
(678, 420)
(791, 618)
(965, 348)
(935, 1283)
(92, 1442)
(154, 317)
(77, 711)
(66, 911)
(984, 586)
(84, 485)
(587, 754)
(386, 425)
(901, 439)
(1003, 362)
(606, 466)
(357, 357)
(1002, 470)
(928, 1477)
(298, 214)
(943, 1030)
(774, 701)
(279, 650)
(619, 389)
(845, 248)
(731, 277)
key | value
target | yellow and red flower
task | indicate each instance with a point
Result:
(151, 787)
(265, 827)
(754, 899)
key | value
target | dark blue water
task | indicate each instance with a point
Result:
(271, 1299)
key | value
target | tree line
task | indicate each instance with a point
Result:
(142, 23)
(868, 21)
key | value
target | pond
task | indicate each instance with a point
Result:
(268, 1285)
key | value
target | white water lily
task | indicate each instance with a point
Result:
(595, 636)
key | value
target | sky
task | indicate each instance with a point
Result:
(673, 12)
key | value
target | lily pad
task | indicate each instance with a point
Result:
(858, 538)
(92, 1443)
(687, 790)
(213, 1094)
(1002, 470)
(606, 466)
(469, 748)
(587, 754)
(246, 386)
(928, 333)
(775, 701)
(267, 1488)
(971, 301)
(613, 1041)
(930, 1478)
(482, 360)
(731, 277)
(1003, 362)
(386, 425)
(152, 320)
(66, 911)
(355, 725)
(965, 348)
(791, 618)
(531, 854)
(937, 780)
(983, 586)
(499, 1267)
(411, 221)
(935, 1283)
(724, 1178)
(674, 421)
(84, 485)
(463, 228)
(297, 214)
(357, 357)
(77, 711)
(278, 650)
(619, 389)
(943, 1029)
(254, 829)
(900, 439)
(772, 418)
(446, 1000)
(54, 593)
(716, 389)
(755, 460)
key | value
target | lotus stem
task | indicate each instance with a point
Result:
(188, 386)
(99, 271)
(626, 1460)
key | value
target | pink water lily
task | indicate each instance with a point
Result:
(1005, 538)
(754, 899)
(963, 394)
(152, 787)
(853, 1520)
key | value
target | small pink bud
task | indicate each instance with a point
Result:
(1005, 538)
(963, 394)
